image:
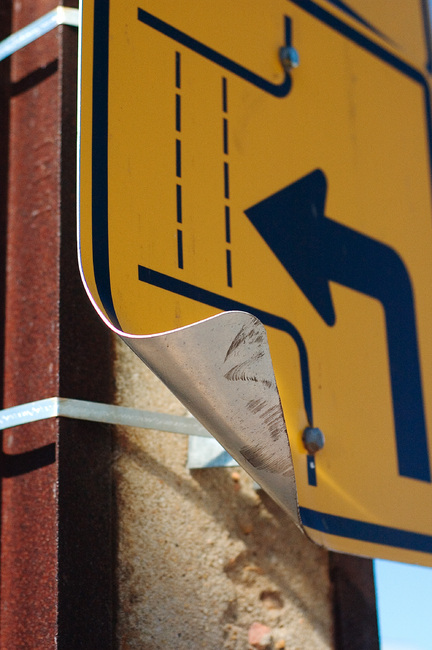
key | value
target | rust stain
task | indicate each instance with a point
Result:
(247, 335)
(258, 456)
(271, 416)
(244, 371)
(248, 350)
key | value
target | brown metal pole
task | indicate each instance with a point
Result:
(56, 551)
(354, 603)
(29, 503)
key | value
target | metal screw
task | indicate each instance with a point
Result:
(313, 439)
(289, 57)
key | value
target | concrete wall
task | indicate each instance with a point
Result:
(201, 555)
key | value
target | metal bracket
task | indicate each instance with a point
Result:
(208, 453)
(39, 27)
(53, 407)
(201, 454)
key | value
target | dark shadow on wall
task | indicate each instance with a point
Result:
(28, 461)
(33, 79)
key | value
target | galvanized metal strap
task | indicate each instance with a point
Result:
(28, 34)
(53, 407)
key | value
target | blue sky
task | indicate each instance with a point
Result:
(404, 601)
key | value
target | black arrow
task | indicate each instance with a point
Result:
(316, 250)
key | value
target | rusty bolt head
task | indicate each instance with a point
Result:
(313, 439)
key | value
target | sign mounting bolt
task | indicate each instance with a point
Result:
(289, 57)
(313, 439)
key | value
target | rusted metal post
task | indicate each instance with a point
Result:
(354, 604)
(56, 553)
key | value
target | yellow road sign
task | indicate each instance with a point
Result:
(212, 179)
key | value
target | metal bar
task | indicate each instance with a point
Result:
(208, 453)
(95, 412)
(39, 27)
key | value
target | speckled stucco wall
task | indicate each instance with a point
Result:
(202, 556)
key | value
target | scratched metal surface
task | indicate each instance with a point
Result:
(221, 370)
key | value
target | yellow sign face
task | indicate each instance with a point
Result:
(211, 179)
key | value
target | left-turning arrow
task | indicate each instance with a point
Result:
(316, 250)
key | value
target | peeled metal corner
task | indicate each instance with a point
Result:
(221, 370)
